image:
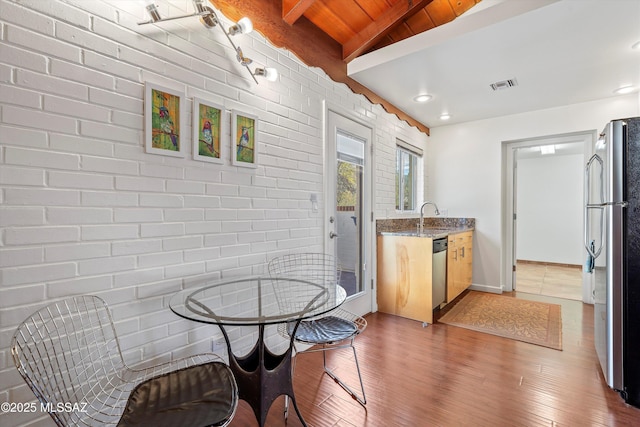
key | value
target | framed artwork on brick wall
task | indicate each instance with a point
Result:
(164, 114)
(244, 139)
(209, 131)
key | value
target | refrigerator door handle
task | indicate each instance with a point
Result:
(587, 192)
(587, 177)
(602, 205)
(587, 245)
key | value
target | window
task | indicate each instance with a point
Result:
(406, 179)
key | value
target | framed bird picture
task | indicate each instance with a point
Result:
(209, 131)
(244, 140)
(164, 114)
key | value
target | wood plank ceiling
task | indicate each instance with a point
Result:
(330, 33)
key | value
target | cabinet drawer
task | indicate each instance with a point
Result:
(461, 239)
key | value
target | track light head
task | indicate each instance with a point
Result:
(268, 73)
(153, 12)
(209, 20)
(244, 26)
(199, 6)
(207, 16)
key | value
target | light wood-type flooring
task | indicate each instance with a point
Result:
(555, 280)
(443, 375)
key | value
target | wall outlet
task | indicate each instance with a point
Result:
(218, 345)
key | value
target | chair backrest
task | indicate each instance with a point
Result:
(321, 269)
(314, 267)
(68, 353)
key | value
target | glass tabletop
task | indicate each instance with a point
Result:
(256, 300)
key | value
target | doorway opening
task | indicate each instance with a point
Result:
(545, 205)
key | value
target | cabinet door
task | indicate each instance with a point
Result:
(405, 269)
(459, 263)
(453, 260)
(466, 260)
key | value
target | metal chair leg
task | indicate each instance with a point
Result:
(361, 400)
(286, 397)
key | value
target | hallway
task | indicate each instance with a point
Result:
(554, 280)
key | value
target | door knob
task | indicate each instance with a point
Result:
(332, 235)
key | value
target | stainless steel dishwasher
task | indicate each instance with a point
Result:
(439, 278)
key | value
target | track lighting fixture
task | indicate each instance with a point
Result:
(152, 10)
(270, 74)
(244, 26)
(209, 19)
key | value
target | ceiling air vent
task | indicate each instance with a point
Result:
(504, 84)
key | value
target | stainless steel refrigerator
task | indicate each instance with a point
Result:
(612, 240)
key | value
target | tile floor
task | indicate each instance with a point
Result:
(550, 280)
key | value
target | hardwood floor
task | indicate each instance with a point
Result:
(448, 376)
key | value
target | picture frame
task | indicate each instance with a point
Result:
(164, 113)
(209, 131)
(244, 139)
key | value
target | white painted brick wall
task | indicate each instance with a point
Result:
(83, 208)
(45, 159)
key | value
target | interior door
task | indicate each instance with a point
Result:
(348, 215)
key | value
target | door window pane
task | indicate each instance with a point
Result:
(349, 207)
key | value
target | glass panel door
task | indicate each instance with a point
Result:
(348, 213)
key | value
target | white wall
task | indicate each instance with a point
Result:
(85, 210)
(465, 163)
(550, 207)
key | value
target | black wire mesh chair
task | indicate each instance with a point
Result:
(68, 354)
(332, 331)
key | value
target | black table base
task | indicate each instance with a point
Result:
(262, 376)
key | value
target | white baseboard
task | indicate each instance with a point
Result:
(486, 288)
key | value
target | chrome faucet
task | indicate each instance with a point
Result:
(436, 211)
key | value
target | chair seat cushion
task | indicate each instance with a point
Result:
(324, 330)
(200, 395)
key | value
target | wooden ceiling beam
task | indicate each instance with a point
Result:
(375, 31)
(292, 10)
(310, 44)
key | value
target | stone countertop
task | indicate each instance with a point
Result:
(434, 227)
(430, 232)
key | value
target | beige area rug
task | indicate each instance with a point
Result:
(533, 322)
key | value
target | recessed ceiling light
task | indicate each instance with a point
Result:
(422, 98)
(636, 45)
(624, 90)
(445, 116)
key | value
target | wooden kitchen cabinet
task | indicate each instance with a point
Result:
(405, 270)
(459, 263)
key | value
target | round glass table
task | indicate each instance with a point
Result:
(261, 375)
